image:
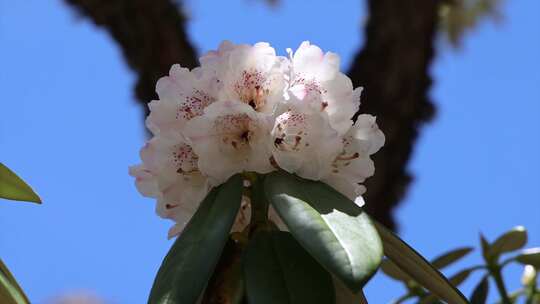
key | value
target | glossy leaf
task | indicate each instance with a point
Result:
(13, 187)
(480, 292)
(10, 291)
(391, 270)
(278, 270)
(455, 280)
(412, 263)
(530, 257)
(461, 276)
(450, 257)
(485, 247)
(510, 241)
(189, 264)
(333, 229)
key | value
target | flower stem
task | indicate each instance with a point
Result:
(531, 292)
(495, 272)
(259, 204)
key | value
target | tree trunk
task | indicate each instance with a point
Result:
(151, 34)
(393, 66)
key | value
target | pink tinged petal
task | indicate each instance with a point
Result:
(175, 230)
(232, 134)
(366, 129)
(356, 96)
(144, 181)
(304, 143)
(166, 117)
(310, 61)
(148, 155)
(307, 54)
(299, 91)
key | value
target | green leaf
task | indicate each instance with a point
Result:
(412, 263)
(391, 270)
(10, 291)
(485, 247)
(510, 241)
(333, 229)
(14, 188)
(189, 264)
(278, 270)
(530, 256)
(227, 283)
(461, 276)
(450, 257)
(480, 292)
(455, 280)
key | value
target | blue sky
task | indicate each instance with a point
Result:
(70, 127)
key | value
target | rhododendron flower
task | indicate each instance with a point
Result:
(303, 142)
(352, 166)
(230, 137)
(245, 109)
(251, 74)
(315, 77)
(182, 95)
(170, 174)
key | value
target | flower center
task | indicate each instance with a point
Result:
(290, 132)
(345, 157)
(184, 159)
(251, 90)
(193, 105)
(236, 131)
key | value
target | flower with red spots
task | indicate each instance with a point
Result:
(182, 95)
(230, 137)
(303, 142)
(253, 75)
(169, 173)
(245, 109)
(316, 79)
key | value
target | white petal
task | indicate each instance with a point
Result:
(303, 142)
(367, 136)
(230, 137)
(253, 75)
(169, 173)
(145, 181)
(182, 95)
(310, 59)
(316, 78)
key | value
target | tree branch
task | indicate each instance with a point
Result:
(151, 35)
(393, 66)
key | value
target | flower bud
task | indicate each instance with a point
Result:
(529, 275)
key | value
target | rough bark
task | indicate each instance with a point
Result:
(393, 66)
(151, 35)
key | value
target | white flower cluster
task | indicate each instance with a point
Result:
(246, 109)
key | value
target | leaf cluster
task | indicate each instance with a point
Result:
(330, 243)
(12, 187)
(510, 242)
